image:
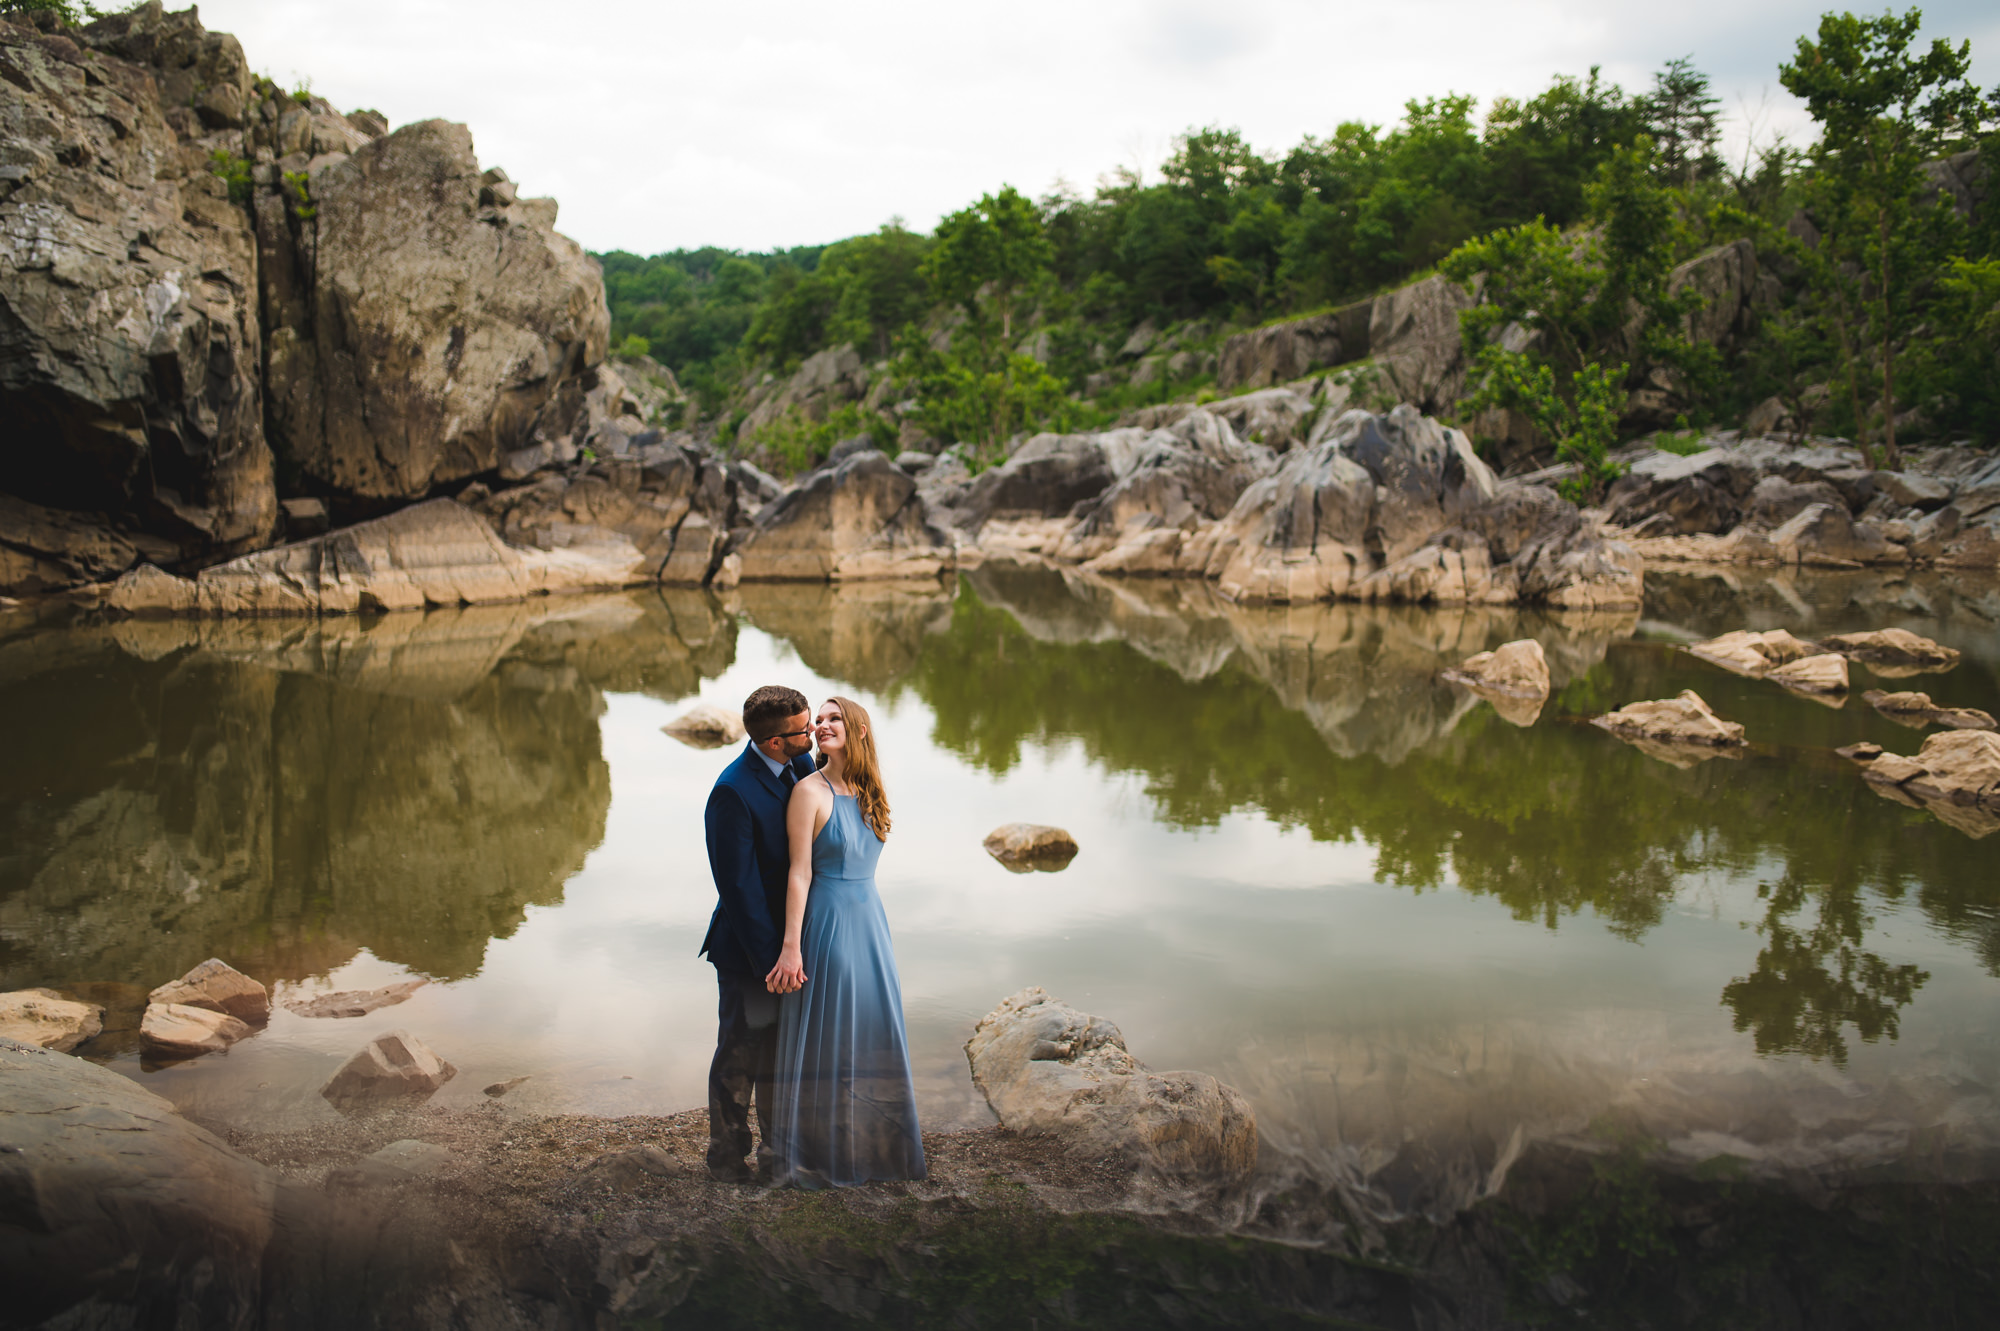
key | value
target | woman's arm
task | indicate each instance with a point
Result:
(803, 819)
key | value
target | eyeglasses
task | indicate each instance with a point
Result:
(788, 734)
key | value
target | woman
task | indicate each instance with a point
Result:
(846, 1111)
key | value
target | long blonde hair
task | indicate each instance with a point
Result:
(860, 769)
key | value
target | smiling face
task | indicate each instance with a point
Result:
(830, 728)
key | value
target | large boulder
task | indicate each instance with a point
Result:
(438, 553)
(1825, 534)
(424, 322)
(1049, 475)
(1683, 719)
(130, 353)
(1281, 352)
(1413, 336)
(1670, 494)
(176, 1030)
(855, 520)
(1514, 677)
(1824, 672)
(1956, 766)
(1177, 479)
(219, 987)
(115, 1204)
(823, 382)
(1049, 1070)
(47, 1020)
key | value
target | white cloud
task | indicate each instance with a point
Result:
(662, 125)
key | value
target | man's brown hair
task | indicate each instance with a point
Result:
(766, 711)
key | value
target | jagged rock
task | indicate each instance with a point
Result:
(824, 380)
(706, 726)
(1889, 650)
(355, 1002)
(395, 1066)
(219, 987)
(860, 519)
(175, 1030)
(1275, 418)
(1724, 278)
(417, 334)
(130, 383)
(1285, 351)
(1909, 490)
(1685, 719)
(1048, 476)
(1827, 535)
(47, 1020)
(1917, 711)
(1752, 654)
(117, 1203)
(1026, 847)
(1955, 767)
(438, 553)
(1776, 501)
(1518, 668)
(1049, 1070)
(1825, 672)
(1667, 494)
(1175, 480)
(1413, 336)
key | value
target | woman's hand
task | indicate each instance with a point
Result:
(789, 975)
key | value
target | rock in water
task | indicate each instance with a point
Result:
(1031, 847)
(1516, 668)
(1752, 654)
(1049, 1070)
(47, 1020)
(1956, 775)
(355, 1002)
(393, 1067)
(219, 987)
(117, 1203)
(1917, 710)
(175, 1030)
(1685, 719)
(706, 726)
(856, 520)
(1893, 651)
(1825, 673)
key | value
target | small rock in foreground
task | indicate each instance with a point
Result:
(355, 1002)
(1752, 654)
(219, 987)
(500, 1088)
(47, 1020)
(1917, 710)
(1685, 719)
(1893, 651)
(1031, 847)
(1049, 1070)
(706, 726)
(1825, 673)
(176, 1030)
(393, 1067)
(628, 1169)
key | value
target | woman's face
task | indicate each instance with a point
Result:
(830, 729)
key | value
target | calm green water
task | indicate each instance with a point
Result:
(1420, 938)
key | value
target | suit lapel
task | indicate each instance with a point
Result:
(762, 770)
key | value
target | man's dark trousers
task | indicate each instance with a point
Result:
(749, 856)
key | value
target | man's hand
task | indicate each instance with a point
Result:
(789, 975)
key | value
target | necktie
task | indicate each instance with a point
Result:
(790, 778)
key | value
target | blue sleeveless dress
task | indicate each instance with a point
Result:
(846, 1110)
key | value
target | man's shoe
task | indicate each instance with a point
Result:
(730, 1171)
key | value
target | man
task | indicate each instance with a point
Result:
(748, 854)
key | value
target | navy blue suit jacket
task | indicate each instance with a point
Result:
(749, 856)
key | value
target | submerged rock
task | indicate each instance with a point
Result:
(1682, 720)
(1917, 710)
(1029, 847)
(1956, 775)
(706, 726)
(219, 987)
(1893, 651)
(47, 1020)
(356, 1002)
(1049, 1070)
(396, 1066)
(1823, 673)
(176, 1030)
(1752, 654)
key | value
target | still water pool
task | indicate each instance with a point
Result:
(1419, 937)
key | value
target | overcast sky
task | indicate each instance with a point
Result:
(660, 125)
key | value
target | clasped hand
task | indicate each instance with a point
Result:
(789, 975)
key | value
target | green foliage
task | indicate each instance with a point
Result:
(1681, 443)
(298, 191)
(1957, 372)
(234, 172)
(695, 307)
(632, 347)
(980, 395)
(1682, 121)
(65, 12)
(1579, 412)
(986, 255)
(863, 290)
(796, 443)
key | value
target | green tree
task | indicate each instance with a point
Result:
(989, 252)
(1683, 122)
(1882, 110)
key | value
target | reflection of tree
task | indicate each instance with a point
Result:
(1795, 1002)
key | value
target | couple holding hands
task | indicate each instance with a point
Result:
(811, 1007)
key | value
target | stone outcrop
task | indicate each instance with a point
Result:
(824, 381)
(47, 1020)
(1281, 352)
(1049, 1070)
(1514, 677)
(1685, 719)
(1893, 651)
(355, 1002)
(1413, 336)
(116, 1203)
(218, 987)
(1916, 710)
(1752, 654)
(176, 1030)
(1823, 672)
(707, 726)
(1031, 847)
(856, 520)
(393, 1067)
(1956, 775)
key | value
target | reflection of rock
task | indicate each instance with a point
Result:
(1684, 720)
(1888, 650)
(1956, 775)
(355, 1002)
(1752, 654)
(1029, 847)
(1514, 677)
(868, 634)
(396, 1066)
(47, 1020)
(103, 1177)
(1049, 1070)
(1917, 710)
(1825, 673)
(219, 987)
(175, 1030)
(706, 726)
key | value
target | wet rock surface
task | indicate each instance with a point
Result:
(1917, 709)
(707, 726)
(1026, 847)
(355, 1002)
(45, 1019)
(1824, 672)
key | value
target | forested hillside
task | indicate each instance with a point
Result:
(1566, 213)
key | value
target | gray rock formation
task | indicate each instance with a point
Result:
(823, 382)
(1049, 1070)
(1279, 353)
(856, 520)
(117, 1204)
